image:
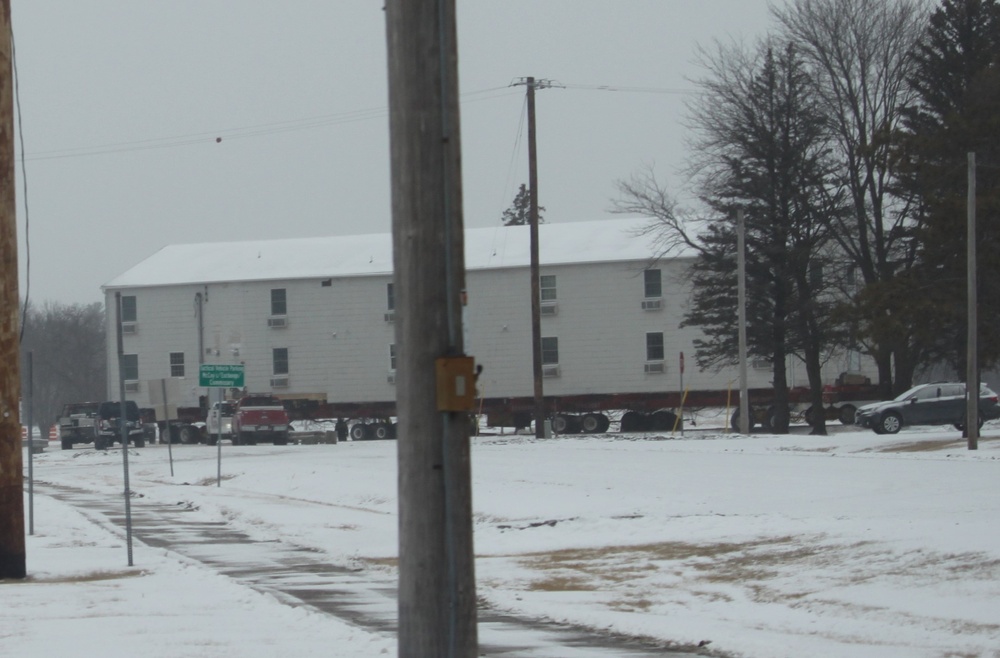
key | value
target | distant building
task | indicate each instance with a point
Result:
(312, 318)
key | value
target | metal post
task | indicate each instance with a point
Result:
(12, 552)
(437, 594)
(972, 361)
(123, 424)
(166, 425)
(741, 269)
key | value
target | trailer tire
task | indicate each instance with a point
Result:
(99, 443)
(67, 444)
(140, 442)
(735, 420)
(359, 432)
(591, 423)
(663, 421)
(605, 423)
(846, 414)
(189, 434)
(633, 421)
(281, 439)
(565, 424)
(382, 431)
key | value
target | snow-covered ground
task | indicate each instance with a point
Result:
(765, 546)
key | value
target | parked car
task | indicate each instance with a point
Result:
(942, 403)
(107, 429)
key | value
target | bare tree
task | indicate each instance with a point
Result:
(860, 52)
(68, 346)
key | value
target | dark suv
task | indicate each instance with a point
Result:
(928, 404)
(107, 430)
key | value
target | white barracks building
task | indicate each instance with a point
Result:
(312, 318)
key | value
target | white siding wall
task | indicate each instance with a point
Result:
(338, 338)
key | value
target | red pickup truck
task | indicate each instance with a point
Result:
(260, 418)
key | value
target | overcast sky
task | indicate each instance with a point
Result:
(123, 102)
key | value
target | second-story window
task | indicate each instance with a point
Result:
(279, 302)
(392, 357)
(279, 359)
(177, 364)
(130, 367)
(547, 286)
(129, 309)
(652, 284)
(654, 346)
(390, 298)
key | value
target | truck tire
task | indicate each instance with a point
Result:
(67, 444)
(664, 421)
(846, 414)
(189, 434)
(281, 439)
(383, 431)
(140, 442)
(359, 432)
(633, 421)
(99, 443)
(591, 423)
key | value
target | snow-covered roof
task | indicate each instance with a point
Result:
(609, 240)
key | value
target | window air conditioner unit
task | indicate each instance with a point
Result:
(131, 386)
(391, 378)
(130, 328)
(390, 316)
(654, 368)
(549, 308)
(280, 381)
(652, 304)
(277, 322)
(550, 371)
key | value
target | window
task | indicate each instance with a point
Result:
(652, 283)
(547, 285)
(550, 351)
(392, 357)
(279, 359)
(390, 298)
(130, 367)
(654, 346)
(129, 312)
(177, 364)
(279, 302)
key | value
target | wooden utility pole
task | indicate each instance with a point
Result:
(437, 594)
(536, 312)
(972, 353)
(12, 554)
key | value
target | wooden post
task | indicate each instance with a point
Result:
(12, 553)
(437, 596)
(536, 312)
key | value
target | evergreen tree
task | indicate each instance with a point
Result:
(519, 212)
(958, 111)
(764, 141)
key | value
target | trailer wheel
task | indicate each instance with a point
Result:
(846, 414)
(591, 423)
(99, 443)
(359, 432)
(605, 423)
(663, 421)
(735, 420)
(189, 434)
(281, 439)
(633, 421)
(383, 431)
(67, 444)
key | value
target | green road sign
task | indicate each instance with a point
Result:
(220, 375)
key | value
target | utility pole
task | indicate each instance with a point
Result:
(12, 553)
(435, 390)
(972, 353)
(536, 314)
